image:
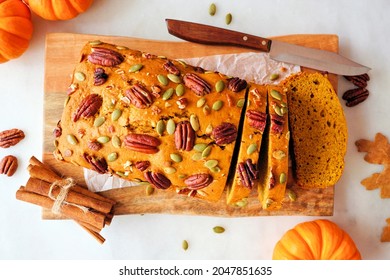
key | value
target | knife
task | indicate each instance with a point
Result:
(313, 58)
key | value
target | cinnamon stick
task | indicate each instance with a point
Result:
(94, 234)
(93, 218)
(43, 188)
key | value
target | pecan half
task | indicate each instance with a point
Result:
(237, 84)
(139, 96)
(257, 119)
(277, 123)
(359, 80)
(248, 173)
(11, 137)
(224, 133)
(142, 165)
(8, 165)
(158, 180)
(57, 132)
(171, 68)
(184, 136)
(105, 57)
(142, 143)
(99, 76)
(97, 164)
(88, 107)
(355, 96)
(94, 145)
(199, 86)
(198, 181)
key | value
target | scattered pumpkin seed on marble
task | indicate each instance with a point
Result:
(135, 67)
(184, 245)
(274, 77)
(112, 156)
(219, 86)
(168, 94)
(228, 18)
(162, 79)
(217, 105)
(71, 139)
(116, 114)
(99, 121)
(171, 126)
(218, 229)
(212, 9)
(180, 89)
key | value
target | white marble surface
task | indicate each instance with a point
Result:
(362, 27)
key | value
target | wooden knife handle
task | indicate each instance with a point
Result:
(205, 34)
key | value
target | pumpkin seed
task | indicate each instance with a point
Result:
(228, 18)
(103, 139)
(284, 110)
(283, 104)
(218, 229)
(120, 173)
(196, 156)
(278, 111)
(240, 103)
(79, 76)
(168, 94)
(183, 63)
(200, 102)
(71, 139)
(194, 121)
(99, 121)
(184, 245)
(66, 101)
(274, 77)
(116, 114)
(135, 67)
(278, 154)
(95, 42)
(149, 190)
(112, 157)
(217, 105)
(268, 203)
(176, 157)
(206, 152)
(162, 79)
(121, 48)
(251, 148)
(211, 163)
(170, 170)
(160, 127)
(212, 9)
(116, 141)
(174, 78)
(200, 147)
(283, 178)
(209, 129)
(180, 89)
(215, 169)
(219, 86)
(181, 176)
(171, 126)
(242, 203)
(276, 94)
(292, 195)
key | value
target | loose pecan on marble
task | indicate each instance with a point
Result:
(184, 136)
(257, 119)
(88, 107)
(224, 133)
(199, 86)
(359, 80)
(355, 96)
(11, 137)
(237, 84)
(142, 143)
(97, 164)
(248, 173)
(105, 57)
(158, 180)
(198, 181)
(8, 165)
(139, 96)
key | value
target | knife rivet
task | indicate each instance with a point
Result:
(245, 38)
(264, 42)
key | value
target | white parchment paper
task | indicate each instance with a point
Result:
(253, 67)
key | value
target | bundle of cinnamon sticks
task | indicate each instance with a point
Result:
(48, 190)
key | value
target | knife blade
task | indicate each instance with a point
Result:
(309, 57)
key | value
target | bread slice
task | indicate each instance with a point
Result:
(246, 171)
(275, 152)
(150, 119)
(318, 130)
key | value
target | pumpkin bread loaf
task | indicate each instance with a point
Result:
(318, 130)
(246, 171)
(274, 153)
(147, 118)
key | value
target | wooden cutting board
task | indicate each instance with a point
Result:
(62, 54)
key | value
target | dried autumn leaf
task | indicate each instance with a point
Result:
(378, 152)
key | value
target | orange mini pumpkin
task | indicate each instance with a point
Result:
(16, 29)
(58, 9)
(316, 240)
